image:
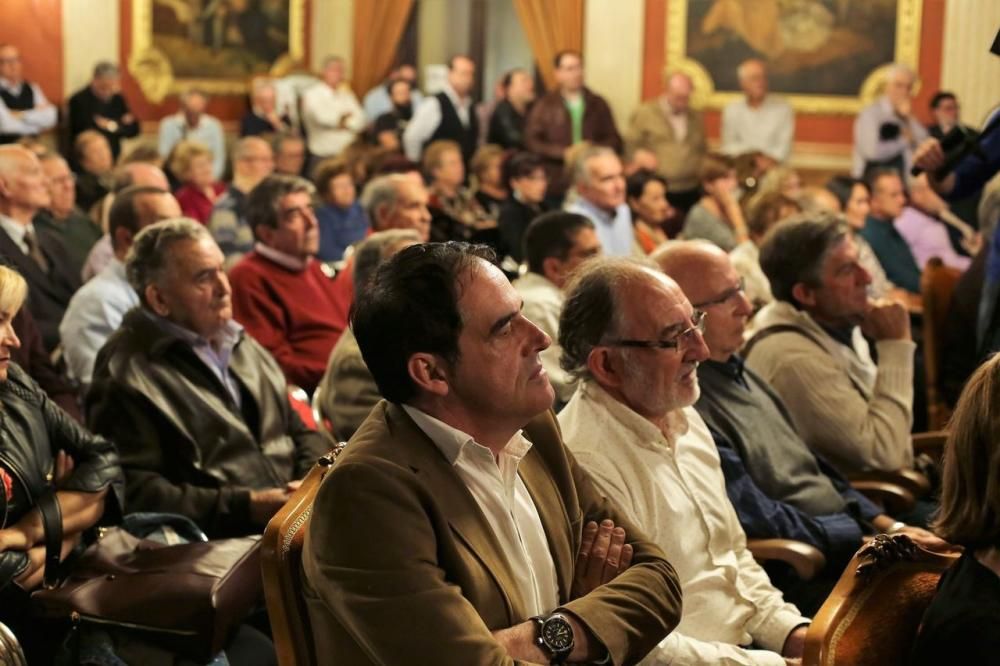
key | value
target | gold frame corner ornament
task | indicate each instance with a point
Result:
(154, 73)
(909, 14)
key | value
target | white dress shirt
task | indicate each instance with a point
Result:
(29, 121)
(93, 314)
(543, 302)
(98, 258)
(768, 128)
(426, 119)
(505, 502)
(674, 490)
(323, 109)
(17, 231)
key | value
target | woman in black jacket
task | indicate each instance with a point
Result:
(42, 451)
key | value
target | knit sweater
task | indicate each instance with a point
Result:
(289, 312)
(849, 411)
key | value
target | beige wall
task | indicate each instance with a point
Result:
(968, 68)
(612, 53)
(332, 31)
(90, 34)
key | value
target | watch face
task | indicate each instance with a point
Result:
(557, 634)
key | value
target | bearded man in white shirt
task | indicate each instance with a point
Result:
(633, 339)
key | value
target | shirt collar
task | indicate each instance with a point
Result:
(227, 338)
(15, 229)
(453, 96)
(451, 441)
(14, 88)
(283, 259)
(734, 368)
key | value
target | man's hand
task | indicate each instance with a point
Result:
(603, 555)
(972, 244)
(265, 503)
(886, 320)
(795, 643)
(929, 155)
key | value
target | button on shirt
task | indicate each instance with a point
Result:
(674, 489)
(614, 231)
(506, 504)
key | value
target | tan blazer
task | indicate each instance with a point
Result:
(401, 566)
(678, 160)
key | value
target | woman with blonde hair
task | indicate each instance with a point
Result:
(191, 163)
(45, 457)
(964, 617)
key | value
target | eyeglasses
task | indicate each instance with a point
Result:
(724, 297)
(681, 342)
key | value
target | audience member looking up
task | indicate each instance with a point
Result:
(281, 295)
(459, 388)
(24, 110)
(446, 116)
(61, 217)
(566, 117)
(191, 122)
(101, 106)
(199, 411)
(634, 341)
(93, 158)
(759, 120)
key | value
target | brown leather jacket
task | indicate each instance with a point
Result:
(548, 132)
(185, 445)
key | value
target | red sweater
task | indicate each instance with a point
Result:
(294, 314)
(195, 204)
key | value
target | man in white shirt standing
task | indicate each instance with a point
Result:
(631, 336)
(759, 121)
(555, 244)
(446, 115)
(331, 113)
(24, 110)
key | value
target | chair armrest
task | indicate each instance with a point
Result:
(892, 497)
(932, 443)
(910, 479)
(805, 559)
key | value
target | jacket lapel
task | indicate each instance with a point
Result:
(23, 263)
(458, 505)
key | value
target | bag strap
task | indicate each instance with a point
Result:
(768, 331)
(51, 512)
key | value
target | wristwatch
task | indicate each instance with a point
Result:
(554, 635)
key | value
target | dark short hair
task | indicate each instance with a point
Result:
(636, 184)
(794, 251)
(941, 96)
(326, 171)
(562, 54)
(123, 214)
(552, 235)
(521, 165)
(263, 207)
(842, 187)
(415, 291)
(715, 166)
(458, 56)
(875, 175)
(764, 210)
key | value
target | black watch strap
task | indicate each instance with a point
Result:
(51, 512)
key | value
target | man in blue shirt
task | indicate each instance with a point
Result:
(600, 189)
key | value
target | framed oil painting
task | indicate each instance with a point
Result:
(824, 56)
(215, 45)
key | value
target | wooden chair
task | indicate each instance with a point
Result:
(936, 286)
(281, 565)
(872, 616)
(806, 560)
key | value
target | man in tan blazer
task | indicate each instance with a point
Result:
(452, 531)
(669, 127)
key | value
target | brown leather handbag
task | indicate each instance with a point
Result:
(187, 598)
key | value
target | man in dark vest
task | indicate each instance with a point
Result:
(24, 111)
(447, 115)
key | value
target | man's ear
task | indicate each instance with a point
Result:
(552, 269)
(429, 373)
(604, 368)
(804, 294)
(155, 301)
(4, 188)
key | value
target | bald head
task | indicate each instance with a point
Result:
(23, 186)
(678, 91)
(752, 75)
(708, 279)
(141, 173)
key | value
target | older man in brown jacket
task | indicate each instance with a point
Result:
(565, 117)
(452, 530)
(670, 128)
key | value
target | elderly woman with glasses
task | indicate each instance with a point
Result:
(44, 456)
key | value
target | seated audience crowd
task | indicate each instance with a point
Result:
(581, 371)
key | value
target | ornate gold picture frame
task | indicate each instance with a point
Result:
(176, 44)
(707, 39)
